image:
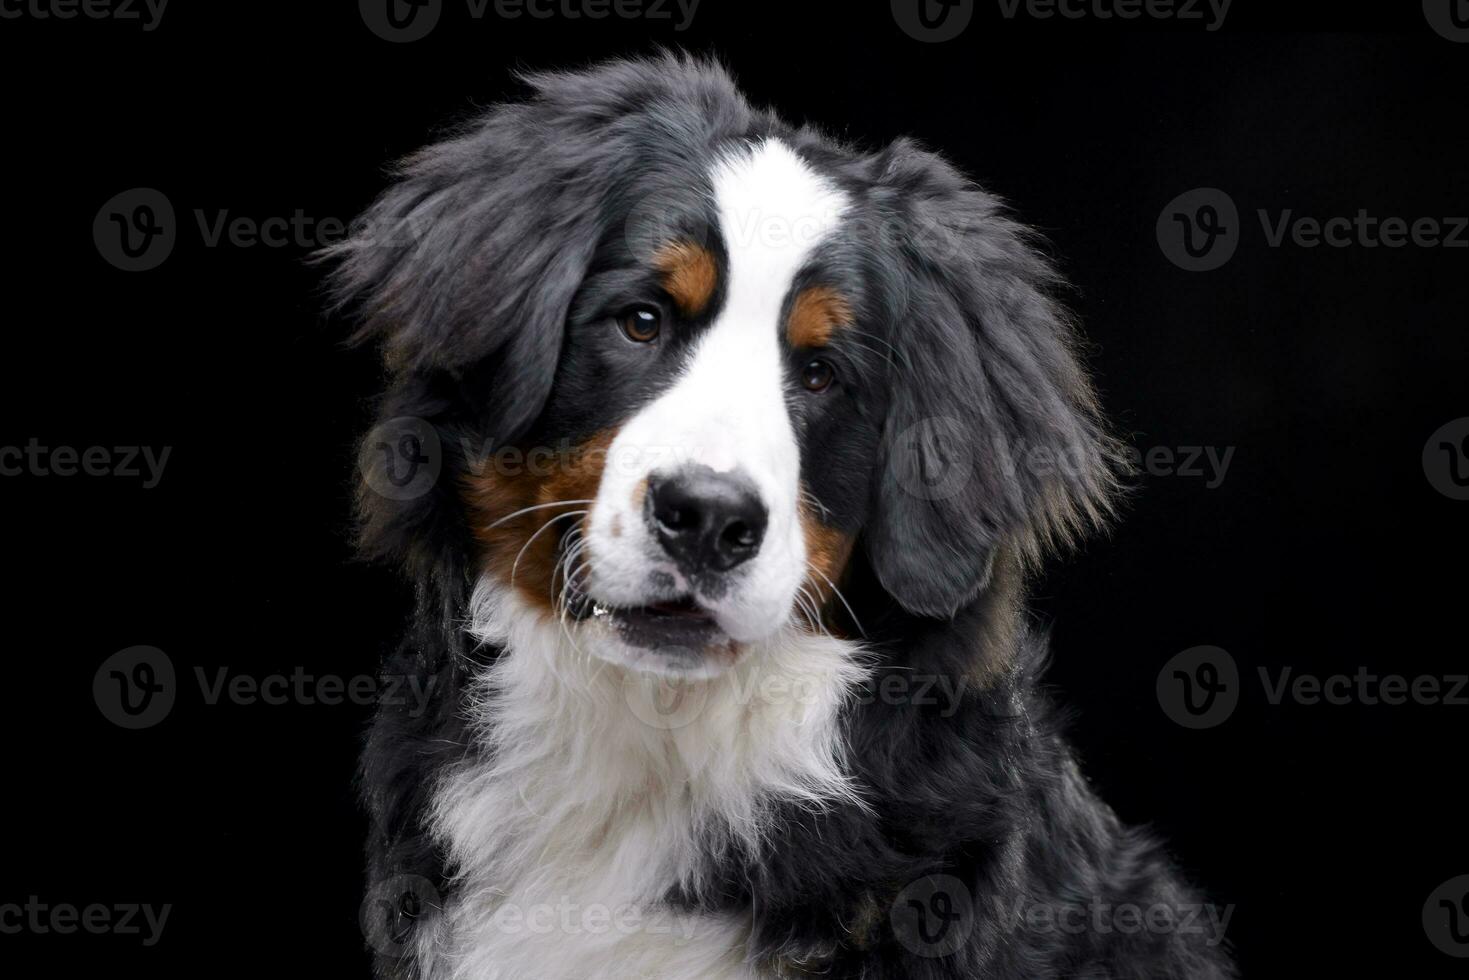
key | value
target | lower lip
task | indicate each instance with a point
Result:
(664, 628)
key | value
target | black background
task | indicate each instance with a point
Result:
(1324, 549)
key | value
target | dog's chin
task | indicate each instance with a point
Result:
(672, 639)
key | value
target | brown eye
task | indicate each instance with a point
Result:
(817, 376)
(642, 324)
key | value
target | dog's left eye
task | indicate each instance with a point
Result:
(818, 375)
(641, 324)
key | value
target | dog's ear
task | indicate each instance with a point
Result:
(475, 252)
(993, 436)
(463, 273)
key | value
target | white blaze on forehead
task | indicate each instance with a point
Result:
(773, 212)
(727, 410)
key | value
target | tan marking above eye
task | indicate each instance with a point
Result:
(690, 275)
(817, 313)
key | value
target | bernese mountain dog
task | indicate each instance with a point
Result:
(717, 452)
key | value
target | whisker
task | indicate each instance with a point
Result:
(573, 552)
(810, 498)
(531, 540)
(811, 608)
(864, 333)
(527, 510)
(569, 554)
(871, 350)
(838, 593)
(563, 601)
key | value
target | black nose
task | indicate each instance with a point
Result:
(706, 521)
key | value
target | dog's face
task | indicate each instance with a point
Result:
(706, 377)
(720, 374)
(706, 360)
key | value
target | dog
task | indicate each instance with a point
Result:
(717, 453)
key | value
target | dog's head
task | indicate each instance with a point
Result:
(680, 363)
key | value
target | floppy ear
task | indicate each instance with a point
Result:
(464, 271)
(993, 437)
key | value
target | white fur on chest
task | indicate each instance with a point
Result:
(604, 788)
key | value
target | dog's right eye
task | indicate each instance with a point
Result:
(641, 324)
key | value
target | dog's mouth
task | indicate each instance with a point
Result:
(679, 625)
(669, 632)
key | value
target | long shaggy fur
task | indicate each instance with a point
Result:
(828, 833)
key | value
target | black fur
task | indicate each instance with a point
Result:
(477, 272)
